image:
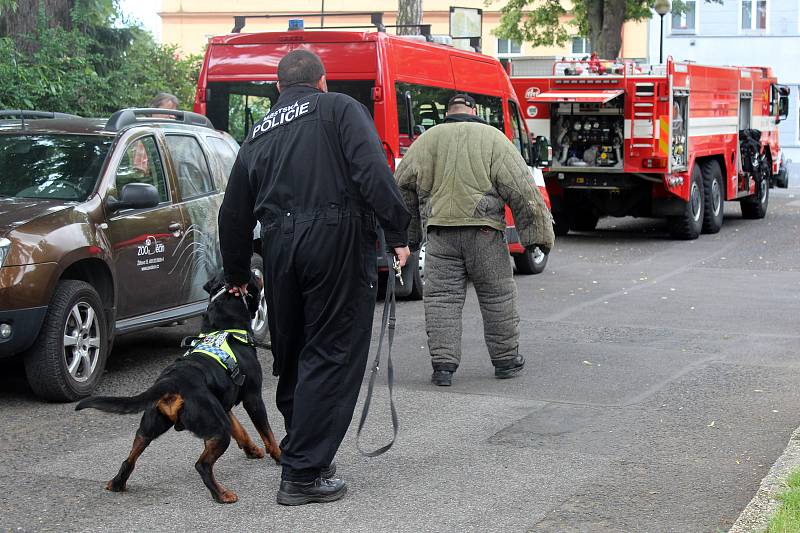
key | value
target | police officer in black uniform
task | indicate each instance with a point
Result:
(314, 173)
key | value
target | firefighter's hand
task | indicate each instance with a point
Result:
(402, 254)
(237, 291)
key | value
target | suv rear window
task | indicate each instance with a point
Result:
(52, 166)
(235, 106)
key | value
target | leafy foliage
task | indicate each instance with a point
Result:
(92, 68)
(549, 22)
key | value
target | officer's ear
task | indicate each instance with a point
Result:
(278, 85)
(322, 84)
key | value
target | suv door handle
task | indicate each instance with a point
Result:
(176, 227)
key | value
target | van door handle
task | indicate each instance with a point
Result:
(176, 227)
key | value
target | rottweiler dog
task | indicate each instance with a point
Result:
(197, 393)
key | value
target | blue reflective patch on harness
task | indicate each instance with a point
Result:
(215, 345)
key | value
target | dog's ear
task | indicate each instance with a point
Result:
(214, 284)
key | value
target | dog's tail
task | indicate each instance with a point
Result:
(126, 404)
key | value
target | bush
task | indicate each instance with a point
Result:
(93, 71)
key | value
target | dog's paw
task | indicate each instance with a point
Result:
(115, 486)
(228, 496)
(254, 452)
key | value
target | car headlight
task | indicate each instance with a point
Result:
(5, 245)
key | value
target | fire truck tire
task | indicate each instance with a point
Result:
(688, 225)
(755, 207)
(713, 196)
(561, 223)
(583, 221)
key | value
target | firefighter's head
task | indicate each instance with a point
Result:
(461, 104)
(301, 67)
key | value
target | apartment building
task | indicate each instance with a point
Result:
(189, 23)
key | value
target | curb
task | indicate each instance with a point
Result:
(756, 515)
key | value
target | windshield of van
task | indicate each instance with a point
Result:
(235, 106)
(51, 166)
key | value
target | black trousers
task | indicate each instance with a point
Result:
(321, 284)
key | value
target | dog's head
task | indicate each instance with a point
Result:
(228, 311)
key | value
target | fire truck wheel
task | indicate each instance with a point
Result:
(713, 196)
(755, 207)
(688, 225)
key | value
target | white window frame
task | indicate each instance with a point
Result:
(753, 17)
(684, 17)
(585, 43)
(508, 54)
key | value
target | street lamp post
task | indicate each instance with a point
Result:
(662, 7)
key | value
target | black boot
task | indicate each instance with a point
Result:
(320, 490)
(442, 378)
(329, 471)
(510, 368)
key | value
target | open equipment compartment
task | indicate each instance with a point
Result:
(588, 131)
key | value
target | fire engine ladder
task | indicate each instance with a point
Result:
(644, 120)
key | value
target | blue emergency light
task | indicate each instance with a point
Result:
(295, 24)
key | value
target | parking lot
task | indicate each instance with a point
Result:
(661, 385)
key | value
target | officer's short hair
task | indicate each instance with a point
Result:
(300, 67)
(162, 98)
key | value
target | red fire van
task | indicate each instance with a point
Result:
(404, 82)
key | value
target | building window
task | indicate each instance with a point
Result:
(581, 46)
(686, 21)
(754, 15)
(507, 47)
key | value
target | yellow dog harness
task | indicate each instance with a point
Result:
(216, 346)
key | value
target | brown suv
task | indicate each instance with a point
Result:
(106, 227)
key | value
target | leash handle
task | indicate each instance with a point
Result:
(388, 322)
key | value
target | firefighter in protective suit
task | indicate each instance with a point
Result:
(314, 173)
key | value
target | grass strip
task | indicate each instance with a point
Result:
(787, 518)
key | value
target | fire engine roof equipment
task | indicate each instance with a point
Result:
(587, 97)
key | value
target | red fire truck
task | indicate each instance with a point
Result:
(405, 84)
(673, 141)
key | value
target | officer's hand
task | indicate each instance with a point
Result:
(402, 254)
(241, 290)
(544, 248)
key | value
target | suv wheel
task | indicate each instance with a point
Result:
(259, 324)
(68, 358)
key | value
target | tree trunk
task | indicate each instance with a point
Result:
(409, 12)
(611, 34)
(22, 24)
(604, 19)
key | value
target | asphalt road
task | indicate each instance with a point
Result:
(661, 386)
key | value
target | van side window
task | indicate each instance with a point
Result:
(429, 107)
(520, 136)
(141, 163)
(235, 106)
(191, 166)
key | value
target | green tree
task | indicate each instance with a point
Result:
(551, 22)
(90, 65)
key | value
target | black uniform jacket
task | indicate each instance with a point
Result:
(312, 151)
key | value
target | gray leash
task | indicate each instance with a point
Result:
(387, 323)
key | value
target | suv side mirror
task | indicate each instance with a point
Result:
(541, 152)
(135, 196)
